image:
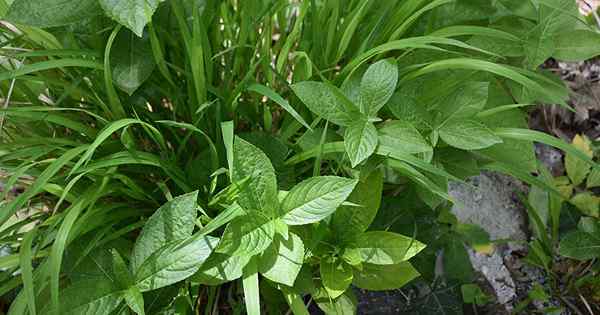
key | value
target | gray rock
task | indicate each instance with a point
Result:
(490, 200)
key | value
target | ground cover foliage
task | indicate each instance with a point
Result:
(258, 156)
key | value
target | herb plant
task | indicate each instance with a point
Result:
(260, 155)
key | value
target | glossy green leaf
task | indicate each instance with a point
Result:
(173, 221)
(377, 86)
(336, 276)
(468, 135)
(315, 198)
(343, 304)
(281, 262)
(384, 277)
(360, 140)
(133, 14)
(386, 248)
(174, 262)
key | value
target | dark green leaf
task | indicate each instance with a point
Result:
(51, 13)
(580, 245)
(349, 221)
(132, 61)
(401, 136)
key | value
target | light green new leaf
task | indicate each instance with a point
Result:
(135, 300)
(468, 135)
(344, 304)
(587, 203)
(248, 235)
(281, 262)
(377, 86)
(336, 276)
(249, 162)
(576, 45)
(349, 221)
(580, 245)
(576, 168)
(220, 268)
(593, 179)
(384, 277)
(132, 61)
(174, 262)
(403, 137)
(171, 222)
(51, 13)
(386, 248)
(133, 14)
(326, 101)
(251, 290)
(360, 140)
(315, 198)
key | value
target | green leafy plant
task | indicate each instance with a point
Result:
(257, 156)
(565, 225)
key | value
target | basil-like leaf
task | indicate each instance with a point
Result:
(281, 262)
(315, 198)
(386, 248)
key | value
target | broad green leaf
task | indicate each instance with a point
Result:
(384, 277)
(326, 101)
(344, 304)
(360, 140)
(281, 262)
(174, 262)
(468, 135)
(349, 221)
(403, 137)
(315, 198)
(122, 274)
(576, 45)
(171, 222)
(538, 46)
(386, 248)
(377, 86)
(133, 14)
(580, 245)
(260, 193)
(521, 8)
(336, 276)
(577, 169)
(593, 179)
(51, 13)
(97, 296)
(220, 268)
(131, 61)
(406, 108)
(248, 235)
(587, 203)
(457, 265)
(464, 102)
